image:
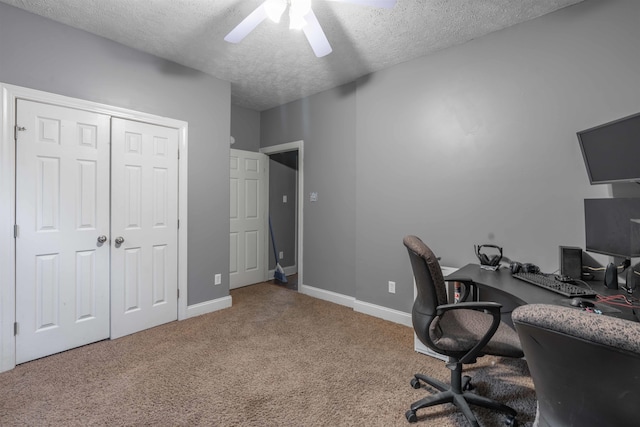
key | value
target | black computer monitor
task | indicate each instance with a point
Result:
(611, 151)
(609, 228)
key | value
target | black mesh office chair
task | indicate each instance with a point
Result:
(585, 367)
(462, 331)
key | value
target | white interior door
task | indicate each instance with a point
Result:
(62, 209)
(248, 222)
(144, 214)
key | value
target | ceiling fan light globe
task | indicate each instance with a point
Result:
(275, 9)
(296, 22)
(297, 12)
(300, 7)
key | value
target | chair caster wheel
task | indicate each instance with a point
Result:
(511, 422)
(411, 416)
(415, 383)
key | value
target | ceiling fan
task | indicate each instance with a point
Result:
(301, 16)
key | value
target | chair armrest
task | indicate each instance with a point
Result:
(489, 307)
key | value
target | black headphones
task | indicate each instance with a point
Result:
(517, 267)
(491, 261)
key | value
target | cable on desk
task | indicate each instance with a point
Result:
(582, 282)
(618, 300)
(623, 266)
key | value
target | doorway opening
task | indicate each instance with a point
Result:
(286, 175)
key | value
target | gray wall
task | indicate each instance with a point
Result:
(474, 144)
(42, 54)
(326, 123)
(245, 128)
(282, 181)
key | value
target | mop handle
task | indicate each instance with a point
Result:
(273, 241)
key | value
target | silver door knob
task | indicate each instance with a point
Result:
(102, 239)
(119, 240)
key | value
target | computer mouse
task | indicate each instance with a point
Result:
(582, 303)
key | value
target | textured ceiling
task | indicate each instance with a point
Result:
(274, 65)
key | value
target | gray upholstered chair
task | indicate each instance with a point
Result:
(462, 332)
(585, 366)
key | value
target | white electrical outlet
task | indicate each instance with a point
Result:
(284, 198)
(217, 279)
(392, 287)
(281, 255)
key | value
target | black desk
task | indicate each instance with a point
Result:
(500, 287)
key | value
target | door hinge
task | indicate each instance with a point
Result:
(178, 293)
(15, 328)
(15, 231)
(178, 154)
(178, 223)
(17, 129)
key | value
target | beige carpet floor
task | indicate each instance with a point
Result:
(276, 358)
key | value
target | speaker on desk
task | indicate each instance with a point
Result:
(611, 276)
(571, 262)
(633, 277)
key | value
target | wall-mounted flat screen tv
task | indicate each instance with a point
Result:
(611, 151)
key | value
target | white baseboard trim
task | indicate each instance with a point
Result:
(385, 313)
(374, 310)
(208, 306)
(326, 295)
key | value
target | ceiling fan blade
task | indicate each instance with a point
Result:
(387, 4)
(247, 25)
(316, 36)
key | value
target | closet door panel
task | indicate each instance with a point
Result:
(144, 216)
(62, 209)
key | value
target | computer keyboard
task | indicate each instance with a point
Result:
(548, 282)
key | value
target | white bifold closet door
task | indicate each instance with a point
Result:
(144, 214)
(62, 210)
(74, 284)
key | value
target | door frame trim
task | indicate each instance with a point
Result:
(9, 95)
(282, 148)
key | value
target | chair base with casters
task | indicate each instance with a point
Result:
(456, 393)
(462, 331)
